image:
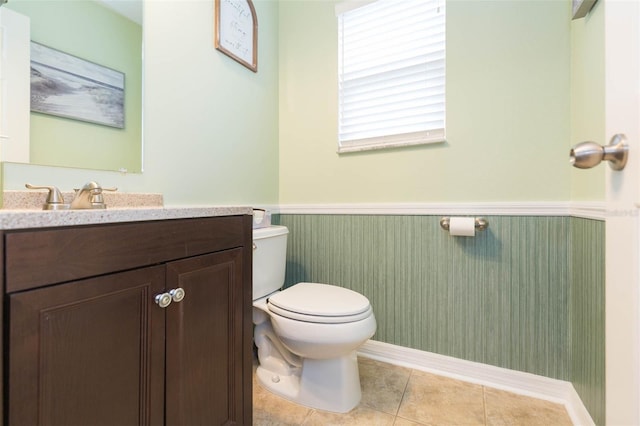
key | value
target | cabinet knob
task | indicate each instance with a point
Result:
(163, 300)
(177, 294)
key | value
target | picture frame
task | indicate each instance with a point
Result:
(236, 31)
(580, 8)
(66, 86)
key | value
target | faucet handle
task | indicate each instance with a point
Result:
(54, 200)
(97, 201)
(90, 186)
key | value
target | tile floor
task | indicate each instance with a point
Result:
(393, 395)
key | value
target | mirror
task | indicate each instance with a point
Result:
(106, 33)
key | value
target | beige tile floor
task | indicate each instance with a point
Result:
(393, 395)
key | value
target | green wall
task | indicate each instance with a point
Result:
(500, 298)
(519, 95)
(508, 111)
(213, 136)
(587, 296)
(587, 99)
(92, 32)
(510, 122)
(211, 125)
(517, 296)
(587, 316)
(526, 294)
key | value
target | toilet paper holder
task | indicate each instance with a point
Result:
(480, 223)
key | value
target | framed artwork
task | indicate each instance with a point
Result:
(67, 86)
(580, 8)
(236, 28)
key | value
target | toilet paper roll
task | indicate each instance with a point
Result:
(462, 226)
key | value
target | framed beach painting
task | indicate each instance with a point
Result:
(64, 85)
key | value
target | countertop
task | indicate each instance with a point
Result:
(31, 218)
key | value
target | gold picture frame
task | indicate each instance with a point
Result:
(236, 31)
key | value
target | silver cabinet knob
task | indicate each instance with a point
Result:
(177, 294)
(163, 300)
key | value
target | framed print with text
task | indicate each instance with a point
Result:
(237, 31)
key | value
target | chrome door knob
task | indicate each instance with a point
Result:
(163, 300)
(589, 154)
(177, 294)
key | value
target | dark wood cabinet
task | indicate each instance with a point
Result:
(89, 352)
(88, 345)
(204, 340)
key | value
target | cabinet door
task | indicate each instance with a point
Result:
(88, 352)
(204, 341)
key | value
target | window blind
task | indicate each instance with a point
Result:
(391, 77)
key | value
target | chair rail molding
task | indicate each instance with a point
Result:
(588, 210)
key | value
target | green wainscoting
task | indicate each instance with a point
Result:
(587, 314)
(515, 296)
(500, 298)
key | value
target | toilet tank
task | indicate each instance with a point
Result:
(269, 259)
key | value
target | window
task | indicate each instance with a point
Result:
(391, 77)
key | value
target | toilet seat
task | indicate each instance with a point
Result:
(320, 303)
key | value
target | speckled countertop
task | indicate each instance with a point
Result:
(22, 210)
(22, 219)
(33, 200)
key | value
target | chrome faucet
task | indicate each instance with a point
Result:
(85, 196)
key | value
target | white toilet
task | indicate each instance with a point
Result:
(307, 334)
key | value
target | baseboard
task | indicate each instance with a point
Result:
(557, 391)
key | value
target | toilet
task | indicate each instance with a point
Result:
(307, 334)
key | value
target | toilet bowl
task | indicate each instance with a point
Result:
(307, 334)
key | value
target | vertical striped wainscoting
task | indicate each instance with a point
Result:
(587, 316)
(500, 298)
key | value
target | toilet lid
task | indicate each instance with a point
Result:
(315, 302)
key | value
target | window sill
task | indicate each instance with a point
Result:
(384, 145)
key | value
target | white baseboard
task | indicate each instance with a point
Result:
(541, 387)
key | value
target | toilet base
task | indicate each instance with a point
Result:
(326, 384)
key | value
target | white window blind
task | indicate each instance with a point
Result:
(391, 77)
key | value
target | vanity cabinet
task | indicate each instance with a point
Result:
(87, 344)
